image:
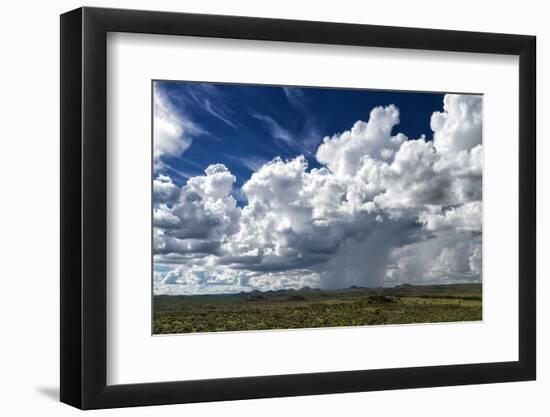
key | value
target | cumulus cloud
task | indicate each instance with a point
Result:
(445, 257)
(164, 190)
(464, 217)
(343, 153)
(202, 216)
(382, 209)
(458, 126)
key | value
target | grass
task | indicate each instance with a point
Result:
(307, 308)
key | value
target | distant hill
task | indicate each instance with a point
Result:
(400, 290)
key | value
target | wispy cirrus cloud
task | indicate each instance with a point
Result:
(218, 113)
(212, 101)
(275, 129)
(296, 98)
(309, 135)
(253, 163)
(304, 141)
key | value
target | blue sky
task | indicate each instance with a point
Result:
(269, 187)
(243, 126)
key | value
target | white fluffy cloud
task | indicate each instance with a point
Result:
(172, 131)
(200, 219)
(164, 190)
(343, 153)
(458, 127)
(220, 279)
(466, 217)
(445, 257)
(381, 210)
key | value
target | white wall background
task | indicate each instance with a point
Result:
(29, 225)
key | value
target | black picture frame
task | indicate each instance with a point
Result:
(84, 207)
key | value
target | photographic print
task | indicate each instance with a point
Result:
(279, 207)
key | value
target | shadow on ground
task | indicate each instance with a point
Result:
(50, 392)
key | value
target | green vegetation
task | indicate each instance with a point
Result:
(306, 308)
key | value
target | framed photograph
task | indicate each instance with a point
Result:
(257, 208)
